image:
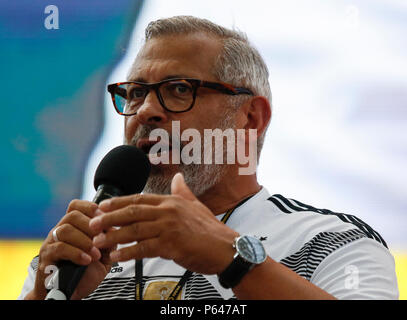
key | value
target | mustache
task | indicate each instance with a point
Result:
(144, 131)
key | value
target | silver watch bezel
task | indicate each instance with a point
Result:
(239, 242)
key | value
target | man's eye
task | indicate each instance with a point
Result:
(182, 89)
(136, 93)
(179, 89)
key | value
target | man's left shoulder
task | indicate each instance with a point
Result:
(325, 220)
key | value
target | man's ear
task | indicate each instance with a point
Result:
(253, 117)
(258, 114)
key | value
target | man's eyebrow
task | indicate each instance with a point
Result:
(137, 79)
(175, 76)
(172, 76)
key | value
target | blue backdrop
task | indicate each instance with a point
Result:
(52, 84)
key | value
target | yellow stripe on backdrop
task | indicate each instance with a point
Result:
(15, 257)
(401, 270)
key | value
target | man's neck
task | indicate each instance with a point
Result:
(229, 192)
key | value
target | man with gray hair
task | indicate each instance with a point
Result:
(203, 230)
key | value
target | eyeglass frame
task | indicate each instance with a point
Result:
(196, 83)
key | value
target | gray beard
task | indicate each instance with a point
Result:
(198, 177)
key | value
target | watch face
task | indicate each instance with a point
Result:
(251, 249)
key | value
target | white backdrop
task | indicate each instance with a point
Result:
(338, 74)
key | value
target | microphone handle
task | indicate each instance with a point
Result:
(106, 191)
(69, 273)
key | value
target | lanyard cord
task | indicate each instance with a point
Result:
(177, 290)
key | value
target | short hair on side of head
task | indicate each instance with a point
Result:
(239, 62)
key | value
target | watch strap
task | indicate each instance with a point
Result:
(234, 273)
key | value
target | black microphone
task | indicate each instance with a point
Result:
(123, 171)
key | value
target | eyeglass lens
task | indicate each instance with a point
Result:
(177, 95)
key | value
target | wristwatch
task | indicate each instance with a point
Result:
(249, 253)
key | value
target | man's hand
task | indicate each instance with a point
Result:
(74, 244)
(176, 227)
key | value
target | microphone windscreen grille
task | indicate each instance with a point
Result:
(124, 167)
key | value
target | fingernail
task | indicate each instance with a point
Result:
(99, 240)
(115, 256)
(180, 174)
(98, 212)
(95, 253)
(105, 204)
(86, 258)
(95, 223)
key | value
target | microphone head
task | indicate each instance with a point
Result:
(126, 168)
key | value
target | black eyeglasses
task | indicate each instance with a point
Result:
(175, 95)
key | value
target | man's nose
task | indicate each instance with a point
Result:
(151, 111)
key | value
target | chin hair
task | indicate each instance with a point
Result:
(198, 177)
